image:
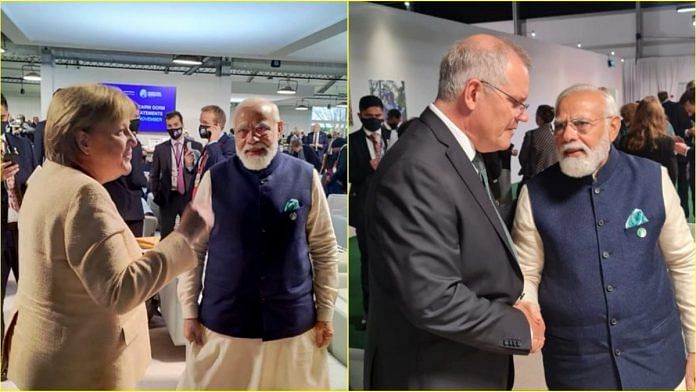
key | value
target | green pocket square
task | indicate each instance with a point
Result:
(291, 205)
(636, 218)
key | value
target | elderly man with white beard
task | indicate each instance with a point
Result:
(271, 276)
(607, 255)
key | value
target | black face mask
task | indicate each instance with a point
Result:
(175, 133)
(134, 125)
(204, 132)
(371, 124)
(393, 126)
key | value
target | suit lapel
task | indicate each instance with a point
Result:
(462, 165)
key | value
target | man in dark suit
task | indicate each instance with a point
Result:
(538, 150)
(173, 172)
(127, 191)
(220, 145)
(444, 280)
(681, 122)
(306, 153)
(317, 141)
(365, 150)
(18, 150)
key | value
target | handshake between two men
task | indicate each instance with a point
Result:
(536, 323)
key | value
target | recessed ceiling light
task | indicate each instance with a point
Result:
(579, 45)
(613, 53)
(622, 60)
(533, 33)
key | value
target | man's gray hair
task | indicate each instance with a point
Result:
(257, 102)
(610, 108)
(467, 60)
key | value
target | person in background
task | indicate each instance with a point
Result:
(390, 132)
(173, 172)
(220, 145)
(80, 320)
(300, 151)
(538, 151)
(627, 112)
(646, 137)
(317, 141)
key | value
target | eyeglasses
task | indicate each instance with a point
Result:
(260, 129)
(580, 125)
(522, 107)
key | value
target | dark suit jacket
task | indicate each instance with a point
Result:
(160, 183)
(39, 153)
(359, 173)
(127, 191)
(442, 276)
(219, 151)
(27, 162)
(309, 156)
(538, 151)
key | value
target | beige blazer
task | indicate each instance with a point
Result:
(81, 321)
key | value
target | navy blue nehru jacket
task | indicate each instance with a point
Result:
(258, 278)
(611, 317)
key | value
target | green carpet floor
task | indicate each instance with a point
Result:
(355, 306)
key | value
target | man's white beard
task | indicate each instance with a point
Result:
(258, 162)
(586, 165)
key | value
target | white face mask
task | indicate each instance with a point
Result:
(584, 166)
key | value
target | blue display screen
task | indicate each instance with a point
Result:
(154, 101)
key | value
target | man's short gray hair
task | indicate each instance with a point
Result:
(257, 103)
(610, 108)
(467, 60)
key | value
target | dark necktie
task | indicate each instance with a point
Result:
(478, 164)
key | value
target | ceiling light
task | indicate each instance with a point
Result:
(3, 50)
(682, 10)
(622, 60)
(32, 76)
(301, 106)
(613, 53)
(579, 45)
(285, 87)
(533, 33)
(407, 4)
(187, 60)
(342, 104)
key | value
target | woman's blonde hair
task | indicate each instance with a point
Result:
(80, 108)
(649, 122)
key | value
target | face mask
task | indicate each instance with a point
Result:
(175, 133)
(371, 124)
(134, 125)
(204, 132)
(393, 126)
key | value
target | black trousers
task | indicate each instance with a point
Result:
(10, 262)
(364, 267)
(169, 211)
(683, 184)
(136, 226)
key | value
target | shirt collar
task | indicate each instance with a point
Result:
(459, 135)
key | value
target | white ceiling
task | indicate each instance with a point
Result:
(313, 30)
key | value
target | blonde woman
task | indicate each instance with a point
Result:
(81, 321)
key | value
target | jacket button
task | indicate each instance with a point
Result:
(600, 222)
(605, 255)
(613, 321)
(617, 352)
(597, 191)
(610, 288)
